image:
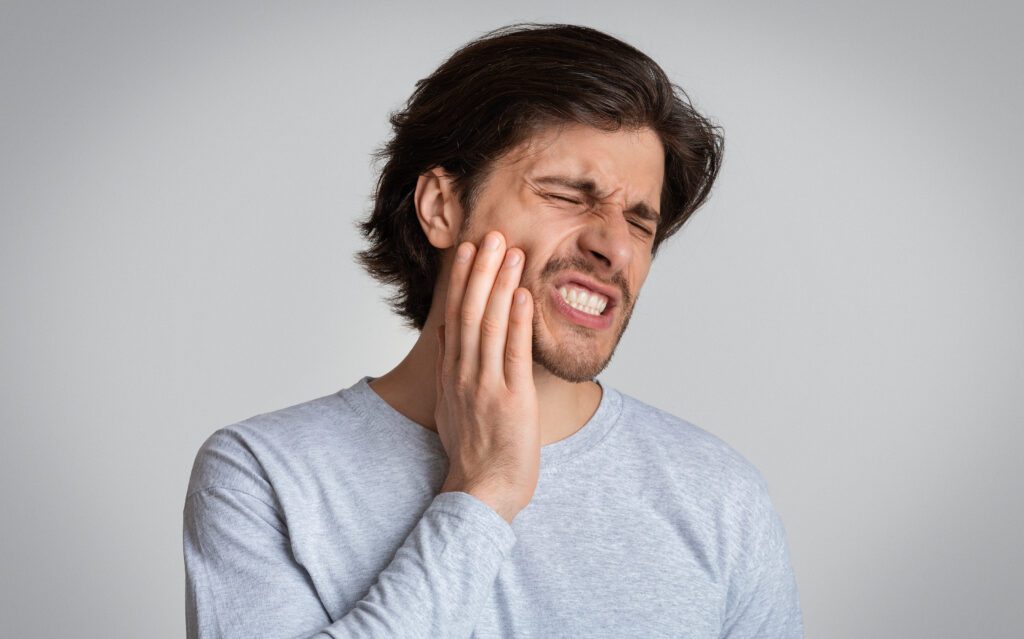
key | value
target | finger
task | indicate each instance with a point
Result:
(461, 266)
(494, 325)
(478, 290)
(519, 348)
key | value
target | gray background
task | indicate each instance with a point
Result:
(179, 187)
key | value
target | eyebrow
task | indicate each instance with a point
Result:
(589, 188)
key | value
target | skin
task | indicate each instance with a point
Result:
(465, 381)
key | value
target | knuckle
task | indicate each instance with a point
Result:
(468, 316)
(490, 327)
(512, 356)
(462, 385)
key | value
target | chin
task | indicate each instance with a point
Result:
(574, 358)
(565, 361)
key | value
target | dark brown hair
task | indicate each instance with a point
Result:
(490, 96)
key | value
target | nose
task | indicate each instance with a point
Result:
(607, 243)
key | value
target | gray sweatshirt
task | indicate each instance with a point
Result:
(324, 520)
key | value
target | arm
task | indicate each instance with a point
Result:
(243, 581)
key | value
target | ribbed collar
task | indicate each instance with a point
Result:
(425, 443)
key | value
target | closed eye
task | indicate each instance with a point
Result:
(643, 228)
(638, 225)
(565, 199)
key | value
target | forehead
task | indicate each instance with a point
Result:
(628, 163)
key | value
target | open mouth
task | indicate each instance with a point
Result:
(583, 299)
(583, 306)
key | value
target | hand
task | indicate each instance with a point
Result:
(487, 412)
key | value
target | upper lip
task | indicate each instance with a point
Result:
(575, 277)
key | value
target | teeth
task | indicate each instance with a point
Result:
(585, 309)
(587, 302)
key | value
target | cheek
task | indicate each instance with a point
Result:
(513, 223)
(638, 280)
(520, 229)
(535, 262)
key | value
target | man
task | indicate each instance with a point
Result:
(489, 485)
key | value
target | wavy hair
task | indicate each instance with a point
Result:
(490, 96)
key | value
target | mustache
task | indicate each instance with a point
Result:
(579, 264)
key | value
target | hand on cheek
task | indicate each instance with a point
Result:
(487, 410)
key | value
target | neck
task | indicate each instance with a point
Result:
(409, 388)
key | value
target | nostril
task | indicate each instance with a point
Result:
(604, 260)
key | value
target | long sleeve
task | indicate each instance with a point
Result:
(243, 581)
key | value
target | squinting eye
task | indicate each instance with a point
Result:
(565, 199)
(643, 228)
(648, 232)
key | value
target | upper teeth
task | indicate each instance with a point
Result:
(583, 300)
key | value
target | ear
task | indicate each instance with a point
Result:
(438, 208)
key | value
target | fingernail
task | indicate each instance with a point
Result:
(464, 252)
(512, 258)
(520, 297)
(492, 241)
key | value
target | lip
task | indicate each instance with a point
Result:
(575, 277)
(602, 321)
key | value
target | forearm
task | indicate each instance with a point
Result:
(436, 584)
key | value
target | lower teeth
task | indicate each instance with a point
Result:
(583, 310)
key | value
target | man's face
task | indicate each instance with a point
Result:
(586, 259)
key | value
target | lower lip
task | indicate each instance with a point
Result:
(579, 317)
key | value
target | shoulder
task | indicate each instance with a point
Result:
(687, 449)
(701, 477)
(244, 455)
(696, 474)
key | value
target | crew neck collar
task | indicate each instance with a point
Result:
(424, 442)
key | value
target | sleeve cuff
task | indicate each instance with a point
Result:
(473, 513)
